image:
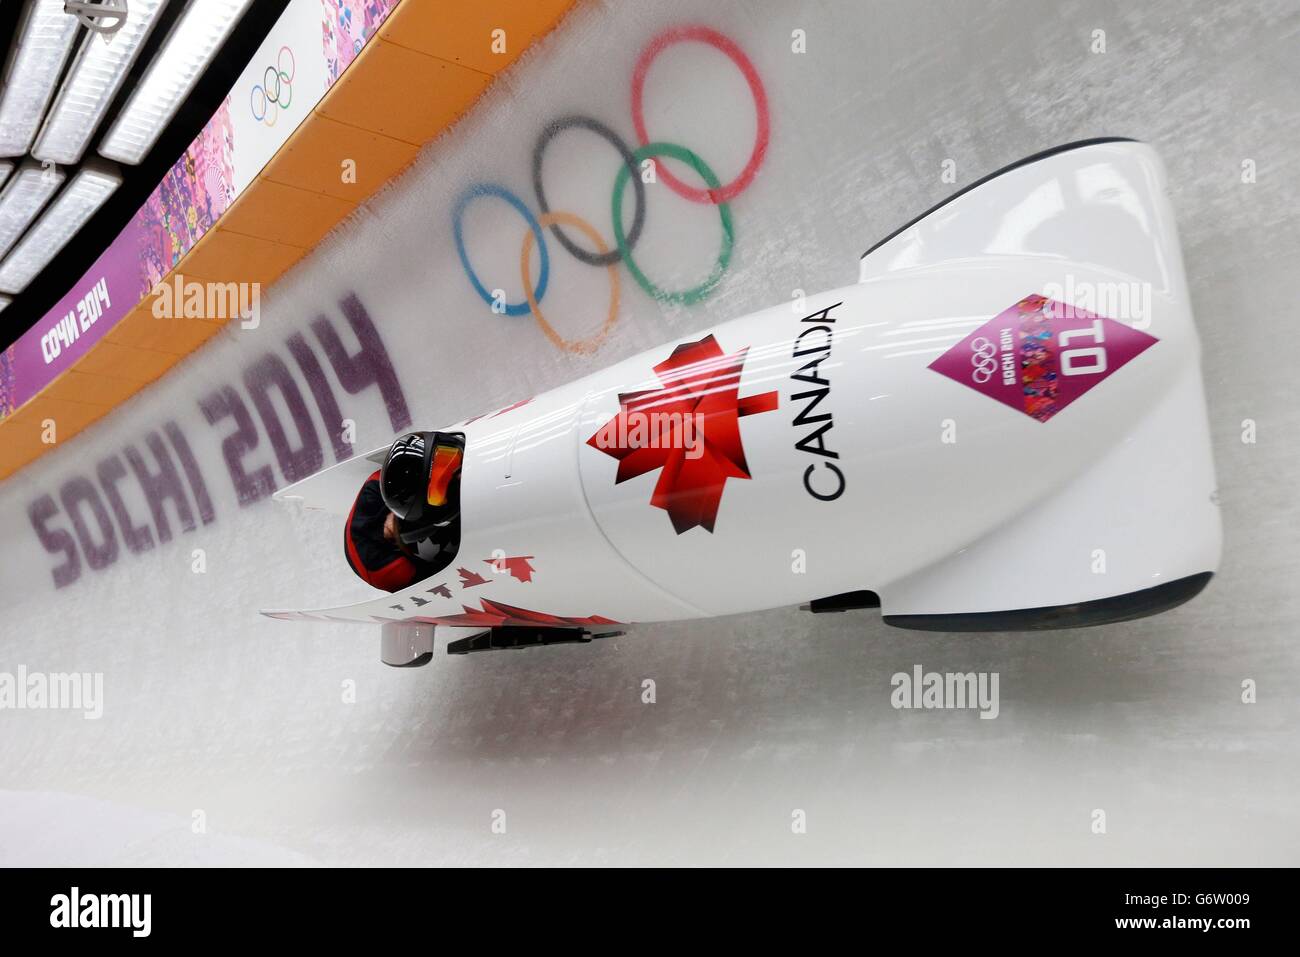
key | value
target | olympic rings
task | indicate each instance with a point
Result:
(580, 346)
(696, 293)
(552, 130)
(983, 359)
(729, 49)
(282, 80)
(293, 64)
(713, 192)
(491, 189)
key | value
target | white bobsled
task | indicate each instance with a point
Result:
(1001, 426)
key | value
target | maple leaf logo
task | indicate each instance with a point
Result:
(698, 380)
(468, 579)
(518, 566)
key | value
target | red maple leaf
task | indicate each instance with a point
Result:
(698, 379)
(517, 566)
(469, 579)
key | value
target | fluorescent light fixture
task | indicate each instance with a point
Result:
(45, 36)
(92, 185)
(92, 82)
(22, 198)
(184, 55)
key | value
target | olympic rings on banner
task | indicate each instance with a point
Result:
(696, 293)
(580, 346)
(293, 64)
(574, 121)
(282, 81)
(491, 189)
(729, 49)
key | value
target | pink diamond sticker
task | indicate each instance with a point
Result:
(1040, 355)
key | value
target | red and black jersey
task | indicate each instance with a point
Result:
(375, 559)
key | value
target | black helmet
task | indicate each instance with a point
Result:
(405, 476)
(420, 481)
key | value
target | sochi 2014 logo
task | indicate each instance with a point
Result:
(1040, 355)
(699, 384)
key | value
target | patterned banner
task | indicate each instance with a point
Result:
(303, 55)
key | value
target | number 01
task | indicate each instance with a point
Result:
(1094, 356)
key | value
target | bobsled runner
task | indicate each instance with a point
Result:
(1000, 426)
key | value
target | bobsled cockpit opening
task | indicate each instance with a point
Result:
(404, 524)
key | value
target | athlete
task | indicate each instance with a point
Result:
(405, 523)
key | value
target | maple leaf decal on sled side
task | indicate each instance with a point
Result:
(518, 566)
(468, 578)
(698, 380)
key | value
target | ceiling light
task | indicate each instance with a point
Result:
(87, 191)
(99, 69)
(184, 55)
(26, 192)
(45, 37)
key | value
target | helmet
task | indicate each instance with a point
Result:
(417, 478)
(405, 475)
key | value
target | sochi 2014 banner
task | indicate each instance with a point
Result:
(303, 55)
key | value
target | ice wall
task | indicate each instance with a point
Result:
(295, 744)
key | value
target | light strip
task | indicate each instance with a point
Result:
(26, 192)
(89, 88)
(185, 54)
(80, 199)
(45, 38)
(4, 301)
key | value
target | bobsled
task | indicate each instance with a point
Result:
(1000, 426)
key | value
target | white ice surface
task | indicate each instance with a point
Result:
(208, 707)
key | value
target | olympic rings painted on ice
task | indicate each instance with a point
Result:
(576, 121)
(729, 49)
(696, 293)
(713, 192)
(580, 346)
(492, 189)
(282, 81)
